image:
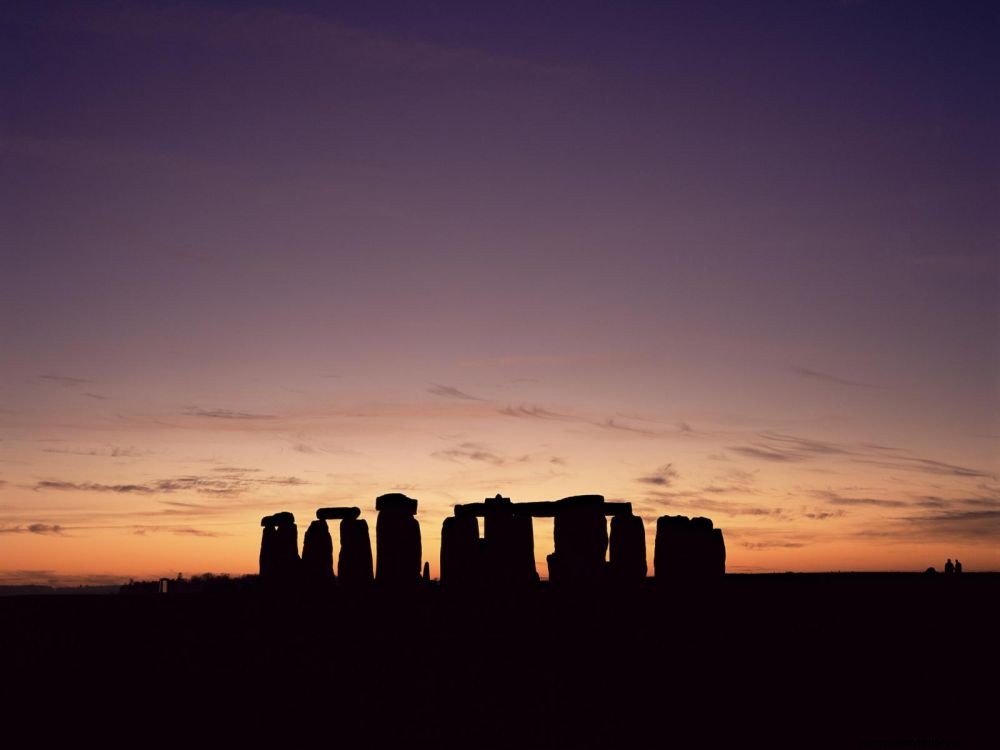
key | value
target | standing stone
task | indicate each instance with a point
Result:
(522, 551)
(627, 555)
(581, 541)
(267, 550)
(288, 566)
(460, 553)
(718, 568)
(354, 568)
(688, 549)
(279, 550)
(427, 573)
(672, 551)
(397, 541)
(317, 554)
(509, 544)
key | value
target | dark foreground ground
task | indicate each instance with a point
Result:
(757, 661)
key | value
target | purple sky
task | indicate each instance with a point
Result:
(532, 248)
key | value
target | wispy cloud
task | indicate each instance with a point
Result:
(782, 448)
(64, 380)
(925, 465)
(482, 453)
(537, 412)
(33, 528)
(189, 531)
(835, 498)
(765, 453)
(835, 379)
(823, 515)
(471, 452)
(194, 411)
(49, 484)
(975, 526)
(448, 391)
(692, 501)
(112, 451)
(613, 424)
(664, 476)
(231, 484)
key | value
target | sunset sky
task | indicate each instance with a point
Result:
(725, 259)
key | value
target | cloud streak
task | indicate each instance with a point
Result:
(471, 452)
(64, 380)
(537, 412)
(447, 391)
(836, 380)
(217, 484)
(664, 476)
(34, 528)
(781, 448)
(194, 411)
(111, 451)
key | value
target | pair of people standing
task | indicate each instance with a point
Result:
(955, 567)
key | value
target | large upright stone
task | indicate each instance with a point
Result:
(718, 560)
(354, 567)
(627, 554)
(317, 554)
(279, 550)
(268, 533)
(460, 553)
(509, 544)
(581, 541)
(522, 551)
(397, 539)
(688, 549)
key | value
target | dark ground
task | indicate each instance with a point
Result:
(864, 660)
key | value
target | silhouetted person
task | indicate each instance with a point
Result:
(958, 566)
(949, 568)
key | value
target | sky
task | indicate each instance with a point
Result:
(730, 259)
